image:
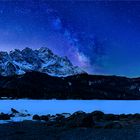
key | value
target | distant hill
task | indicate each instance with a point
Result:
(36, 85)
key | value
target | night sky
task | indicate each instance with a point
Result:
(101, 37)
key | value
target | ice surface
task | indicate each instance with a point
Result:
(70, 106)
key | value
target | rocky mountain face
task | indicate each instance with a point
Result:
(43, 60)
(35, 85)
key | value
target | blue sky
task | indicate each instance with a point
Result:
(101, 37)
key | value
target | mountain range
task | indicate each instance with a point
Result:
(43, 60)
(40, 74)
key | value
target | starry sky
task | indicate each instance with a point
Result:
(102, 37)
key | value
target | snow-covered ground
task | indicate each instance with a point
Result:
(43, 107)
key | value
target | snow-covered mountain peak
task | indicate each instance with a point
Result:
(4, 56)
(45, 50)
(41, 60)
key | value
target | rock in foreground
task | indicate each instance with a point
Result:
(96, 119)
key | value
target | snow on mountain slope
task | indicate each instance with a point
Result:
(41, 60)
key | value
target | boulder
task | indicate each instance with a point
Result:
(136, 116)
(44, 117)
(59, 118)
(97, 115)
(78, 113)
(4, 116)
(36, 117)
(80, 119)
(14, 111)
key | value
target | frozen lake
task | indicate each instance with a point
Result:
(70, 106)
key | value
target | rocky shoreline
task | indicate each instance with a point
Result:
(77, 126)
(95, 119)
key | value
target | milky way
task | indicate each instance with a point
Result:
(101, 37)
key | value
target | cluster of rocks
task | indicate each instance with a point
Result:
(96, 119)
(13, 113)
